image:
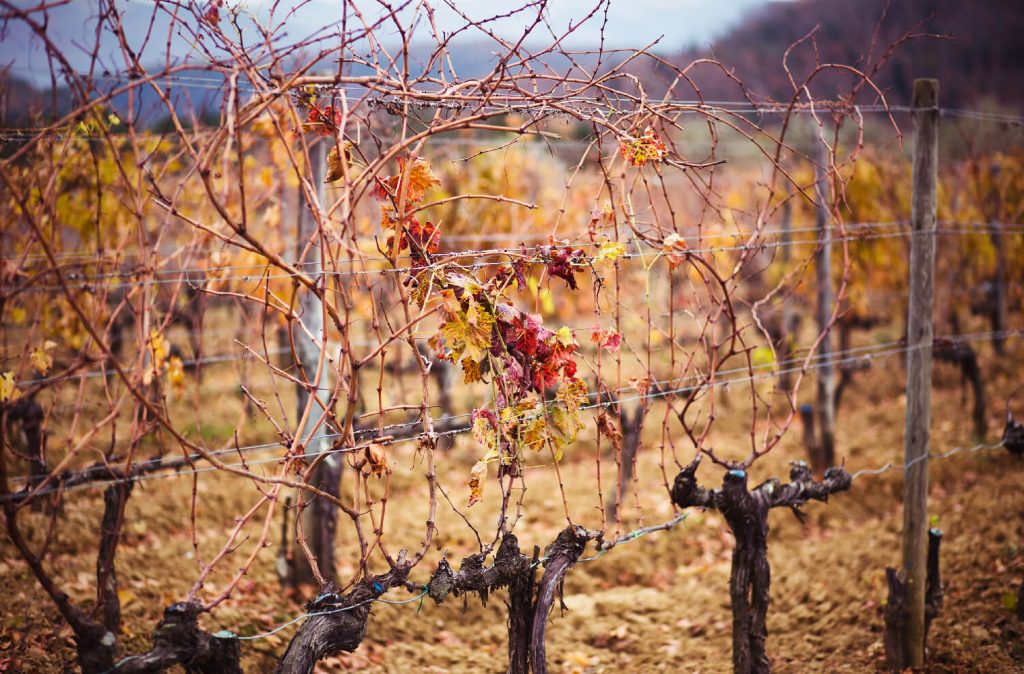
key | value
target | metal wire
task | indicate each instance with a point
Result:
(183, 275)
(834, 359)
(929, 456)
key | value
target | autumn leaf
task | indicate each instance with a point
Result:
(476, 482)
(647, 148)
(607, 427)
(335, 164)
(564, 336)
(560, 263)
(675, 249)
(176, 375)
(323, 122)
(8, 389)
(468, 333)
(376, 459)
(414, 186)
(421, 178)
(42, 358)
(606, 339)
(471, 371)
(158, 348)
(212, 13)
(535, 433)
(609, 251)
(485, 429)
(565, 417)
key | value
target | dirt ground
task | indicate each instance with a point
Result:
(659, 603)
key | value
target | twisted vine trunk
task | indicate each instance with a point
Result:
(337, 623)
(746, 513)
(562, 555)
(177, 640)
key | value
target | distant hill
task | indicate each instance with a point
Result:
(982, 59)
(980, 62)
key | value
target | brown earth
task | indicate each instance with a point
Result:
(659, 603)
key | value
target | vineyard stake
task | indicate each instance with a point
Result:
(319, 517)
(919, 364)
(826, 382)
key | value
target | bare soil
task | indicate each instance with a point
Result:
(659, 603)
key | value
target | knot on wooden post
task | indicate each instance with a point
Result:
(746, 512)
(897, 608)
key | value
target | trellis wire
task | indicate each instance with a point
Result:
(244, 464)
(261, 278)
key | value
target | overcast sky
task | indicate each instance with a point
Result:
(631, 23)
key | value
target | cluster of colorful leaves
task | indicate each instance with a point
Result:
(325, 121)
(561, 261)
(529, 424)
(406, 190)
(647, 148)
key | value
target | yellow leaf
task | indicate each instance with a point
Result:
(564, 336)
(125, 596)
(609, 251)
(471, 371)
(159, 348)
(8, 389)
(41, 358)
(484, 433)
(176, 375)
(469, 332)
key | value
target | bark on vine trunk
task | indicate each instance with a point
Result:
(746, 512)
(561, 556)
(511, 569)
(631, 426)
(964, 357)
(177, 640)
(115, 498)
(337, 623)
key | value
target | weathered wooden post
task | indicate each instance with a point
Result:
(319, 516)
(919, 365)
(826, 389)
(786, 318)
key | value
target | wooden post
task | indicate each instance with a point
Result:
(826, 406)
(919, 365)
(786, 317)
(319, 516)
